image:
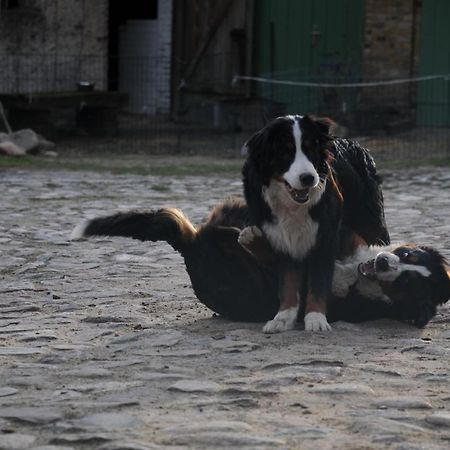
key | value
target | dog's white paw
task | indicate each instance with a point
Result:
(284, 320)
(248, 234)
(315, 321)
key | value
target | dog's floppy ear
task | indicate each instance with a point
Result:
(322, 126)
(250, 144)
(257, 149)
(440, 278)
(325, 125)
(447, 272)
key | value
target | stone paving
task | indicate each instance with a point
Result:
(103, 345)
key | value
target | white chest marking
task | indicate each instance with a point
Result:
(293, 232)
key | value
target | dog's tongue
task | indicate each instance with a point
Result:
(367, 269)
(298, 195)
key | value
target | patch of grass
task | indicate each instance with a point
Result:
(40, 163)
(183, 166)
(181, 170)
(145, 167)
(160, 187)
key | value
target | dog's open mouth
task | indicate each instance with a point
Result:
(298, 195)
(367, 269)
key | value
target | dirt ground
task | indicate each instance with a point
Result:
(104, 346)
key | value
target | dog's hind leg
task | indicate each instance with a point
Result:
(229, 279)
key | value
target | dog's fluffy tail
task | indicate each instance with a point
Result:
(168, 224)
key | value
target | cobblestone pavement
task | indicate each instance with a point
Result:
(103, 346)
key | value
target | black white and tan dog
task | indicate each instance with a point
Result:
(402, 282)
(399, 281)
(315, 198)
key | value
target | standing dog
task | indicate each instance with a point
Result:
(315, 198)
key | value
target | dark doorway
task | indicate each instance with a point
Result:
(119, 12)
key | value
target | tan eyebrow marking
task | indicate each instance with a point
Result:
(413, 259)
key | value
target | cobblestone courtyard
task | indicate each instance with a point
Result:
(103, 345)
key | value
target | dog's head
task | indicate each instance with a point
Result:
(415, 278)
(293, 151)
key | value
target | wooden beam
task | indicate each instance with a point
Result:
(209, 37)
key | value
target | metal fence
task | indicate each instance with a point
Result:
(133, 105)
(396, 118)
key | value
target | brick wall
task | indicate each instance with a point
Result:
(391, 38)
(391, 50)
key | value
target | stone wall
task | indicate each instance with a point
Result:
(49, 45)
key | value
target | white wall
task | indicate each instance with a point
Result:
(145, 59)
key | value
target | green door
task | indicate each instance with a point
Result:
(307, 40)
(433, 99)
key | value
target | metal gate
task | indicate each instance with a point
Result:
(433, 99)
(307, 40)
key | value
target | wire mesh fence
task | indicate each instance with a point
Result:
(136, 104)
(397, 118)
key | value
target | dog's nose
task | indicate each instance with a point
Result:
(382, 263)
(307, 179)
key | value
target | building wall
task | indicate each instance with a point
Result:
(145, 61)
(391, 38)
(210, 44)
(390, 51)
(49, 45)
(164, 54)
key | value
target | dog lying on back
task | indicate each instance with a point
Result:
(401, 282)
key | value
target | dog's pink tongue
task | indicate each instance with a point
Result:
(298, 195)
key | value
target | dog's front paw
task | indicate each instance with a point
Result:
(248, 235)
(285, 320)
(315, 321)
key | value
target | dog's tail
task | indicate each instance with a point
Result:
(167, 224)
